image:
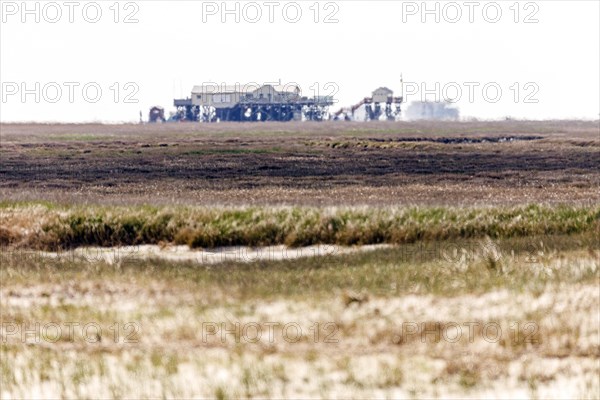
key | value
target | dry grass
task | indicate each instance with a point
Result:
(545, 309)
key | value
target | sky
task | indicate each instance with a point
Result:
(106, 61)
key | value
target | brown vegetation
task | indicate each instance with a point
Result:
(311, 164)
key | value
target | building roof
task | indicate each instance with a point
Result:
(203, 89)
(249, 88)
(285, 88)
(383, 89)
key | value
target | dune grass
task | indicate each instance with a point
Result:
(48, 226)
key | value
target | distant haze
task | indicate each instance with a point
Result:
(544, 70)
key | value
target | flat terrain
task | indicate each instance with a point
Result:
(485, 163)
(404, 322)
(325, 260)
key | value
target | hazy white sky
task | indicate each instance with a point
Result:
(544, 51)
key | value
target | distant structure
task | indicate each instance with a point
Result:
(428, 110)
(156, 114)
(381, 104)
(212, 103)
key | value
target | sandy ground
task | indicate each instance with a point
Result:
(114, 255)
